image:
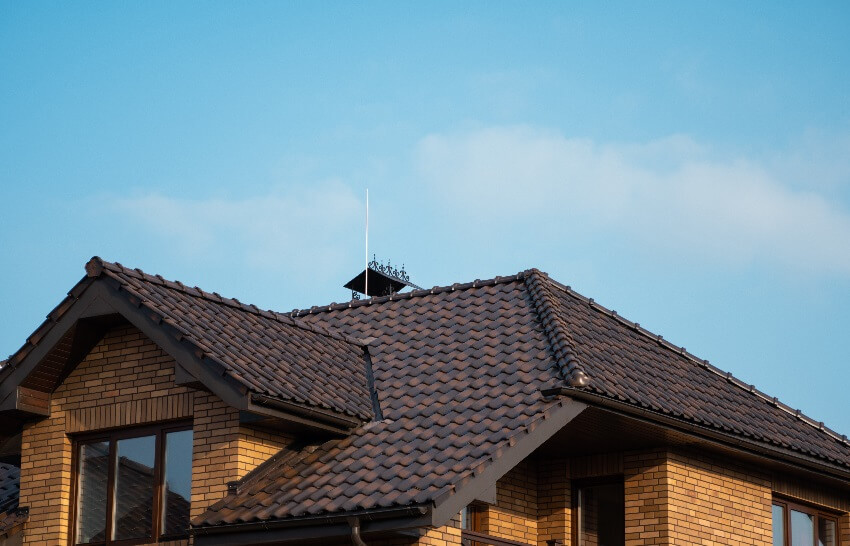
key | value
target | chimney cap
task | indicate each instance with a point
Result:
(384, 280)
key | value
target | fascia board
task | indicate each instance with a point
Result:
(559, 415)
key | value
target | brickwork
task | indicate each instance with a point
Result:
(645, 481)
(215, 450)
(714, 502)
(446, 535)
(514, 516)
(441, 536)
(678, 498)
(257, 446)
(126, 380)
(554, 501)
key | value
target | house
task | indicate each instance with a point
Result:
(507, 411)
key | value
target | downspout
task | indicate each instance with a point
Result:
(355, 532)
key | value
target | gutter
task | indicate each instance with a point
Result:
(368, 515)
(740, 444)
(315, 414)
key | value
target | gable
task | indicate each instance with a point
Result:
(256, 361)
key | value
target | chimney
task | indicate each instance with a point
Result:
(383, 280)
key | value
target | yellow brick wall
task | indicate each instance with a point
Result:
(126, 380)
(554, 501)
(124, 372)
(719, 502)
(646, 496)
(514, 516)
(256, 446)
(676, 498)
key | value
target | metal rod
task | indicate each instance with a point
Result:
(367, 243)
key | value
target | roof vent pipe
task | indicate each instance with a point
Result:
(355, 532)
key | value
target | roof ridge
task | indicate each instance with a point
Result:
(96, 266)
(702, 363)
(560, 340)
(477, 283)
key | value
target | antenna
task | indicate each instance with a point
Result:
(367, 240)
(386, 279)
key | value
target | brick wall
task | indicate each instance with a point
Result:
(717, 502)
(514, 516)
(678, 498)
(670, 498)
(645, 482)
(554, 500)
(215, 451)
(257, 446)
(126, 380)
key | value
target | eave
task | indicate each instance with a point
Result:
(735, 443)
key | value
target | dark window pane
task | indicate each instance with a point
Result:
(178, 482)
(802, 529)
(778, 525)
(602, 515)
(134, 487)
(826, 532)
(92, 479)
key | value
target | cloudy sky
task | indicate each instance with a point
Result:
(687, 164)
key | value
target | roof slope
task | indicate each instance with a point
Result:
(269, 353)
(627, 363)
(458, 373)
(9, 491)
(459, 370)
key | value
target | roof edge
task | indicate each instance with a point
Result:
(504, 457)
(330, 525)
(702, 363)
(97, 267)
(731, 440)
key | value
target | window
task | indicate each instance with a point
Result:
(132, 486)
(599, 515)
(472, 518)
(797, 525)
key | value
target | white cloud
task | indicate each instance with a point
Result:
(670, 196)
(281, 231)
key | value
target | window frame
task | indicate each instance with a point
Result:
(158, 430)
(576, 485)
(810, 509)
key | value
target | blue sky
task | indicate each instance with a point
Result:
(687, 164)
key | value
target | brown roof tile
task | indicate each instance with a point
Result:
(269, 353)
(459, 370)
(458, 373)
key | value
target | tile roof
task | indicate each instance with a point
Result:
(9, 490)
(629, 364)
(269, 353)
(459, 372)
